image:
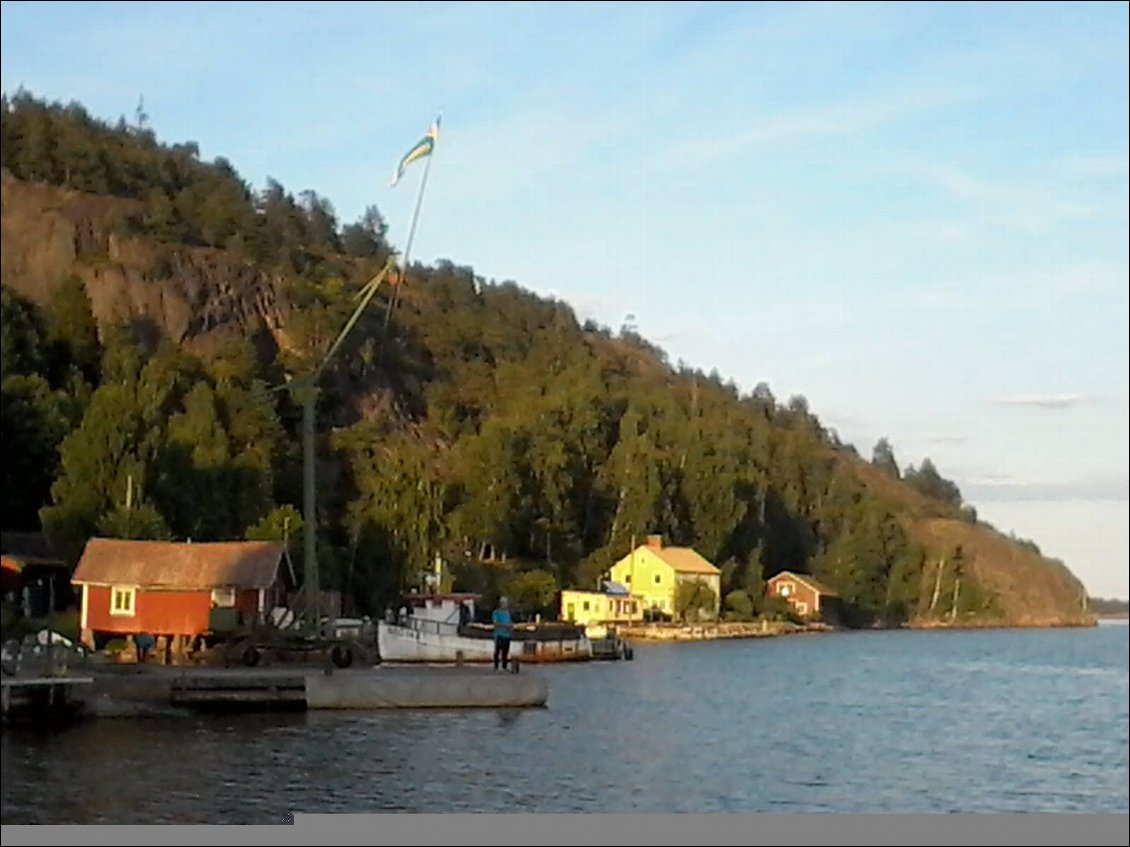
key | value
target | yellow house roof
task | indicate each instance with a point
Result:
(684, 560)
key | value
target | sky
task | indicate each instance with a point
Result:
(914, 215)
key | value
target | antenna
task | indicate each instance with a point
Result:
(141, 115)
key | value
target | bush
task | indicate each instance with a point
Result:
(778, 609)
(740, 606)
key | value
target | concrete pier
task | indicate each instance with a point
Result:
(425, 688)
(162, 691)
(40, 697)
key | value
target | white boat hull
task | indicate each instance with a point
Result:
(398, 643)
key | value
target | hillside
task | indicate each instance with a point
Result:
(151, 300)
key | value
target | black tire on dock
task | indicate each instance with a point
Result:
(342, 655)
(251, 656)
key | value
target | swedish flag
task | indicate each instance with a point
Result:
(422, 148)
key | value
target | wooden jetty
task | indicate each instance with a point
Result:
(40, 698)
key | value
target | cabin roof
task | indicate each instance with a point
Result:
(811, 582)
(185, 566)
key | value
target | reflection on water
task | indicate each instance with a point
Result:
(1000, 721)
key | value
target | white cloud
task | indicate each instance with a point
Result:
(1031, 208)
(1044, 401)
(947, 439)
(995, 488)
(845, 117)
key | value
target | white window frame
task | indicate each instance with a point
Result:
(223, 597)
(128, 609)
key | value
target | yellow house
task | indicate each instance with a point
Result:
(613, 605)
(653, 573)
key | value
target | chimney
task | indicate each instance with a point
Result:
(655, 542)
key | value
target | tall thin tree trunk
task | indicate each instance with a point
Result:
(937, 583)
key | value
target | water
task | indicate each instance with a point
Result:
(996, 721)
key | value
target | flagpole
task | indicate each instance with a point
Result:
(411, 235)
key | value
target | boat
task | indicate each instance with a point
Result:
(607, 645)
(441, 629)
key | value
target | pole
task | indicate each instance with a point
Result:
(313, 589)
(408, 246)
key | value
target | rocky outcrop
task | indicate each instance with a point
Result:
(192, 296)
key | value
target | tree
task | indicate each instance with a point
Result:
(531, 592)
(33, 421)
(694, 599)
(365, 239)
(740, 605)
(929, 482)
(883, 457)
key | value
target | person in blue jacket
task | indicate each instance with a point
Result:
(502, 632)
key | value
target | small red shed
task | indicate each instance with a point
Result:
(166, 588)
(804, 593)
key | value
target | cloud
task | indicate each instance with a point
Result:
(1032, 208)
(844, 117)
(947, 439)
(1043, 401)
(1003, 489)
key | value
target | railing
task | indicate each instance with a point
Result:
(426, 625)
(51, 659)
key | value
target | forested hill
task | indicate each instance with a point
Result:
(152, 301)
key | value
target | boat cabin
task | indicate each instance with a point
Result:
(456, 609)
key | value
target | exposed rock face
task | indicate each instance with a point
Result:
(192, 296)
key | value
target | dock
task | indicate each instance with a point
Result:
(167, 690)
(40, 697)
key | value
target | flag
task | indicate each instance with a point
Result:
(422, 148)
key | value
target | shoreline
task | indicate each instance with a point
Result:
(733, 630)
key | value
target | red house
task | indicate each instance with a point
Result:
(804, 593)
(170, 589)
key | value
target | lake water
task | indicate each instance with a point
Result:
(980, 721)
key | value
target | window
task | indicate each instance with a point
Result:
(658, 579)
(122, 601)
(586, 605)
(802, 608)
(628, 579)
(224, 597)
(785, 589)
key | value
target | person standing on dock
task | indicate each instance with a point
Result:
(502, 631)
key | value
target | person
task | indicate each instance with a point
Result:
(502, 631)
(144, 643)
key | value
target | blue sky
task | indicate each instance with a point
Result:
(914, 215)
